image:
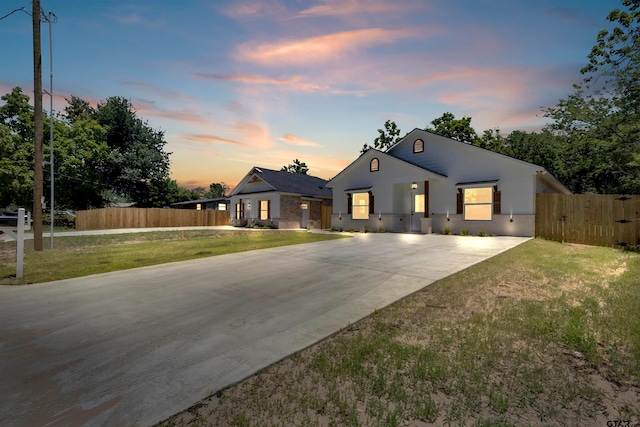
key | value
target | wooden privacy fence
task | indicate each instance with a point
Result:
(325, 217)
(108, 218)
(591, 219)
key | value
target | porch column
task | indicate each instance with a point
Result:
(426, 199)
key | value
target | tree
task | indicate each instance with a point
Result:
(386, 138)
(217, 190)
(296, 167)
(616, 55)
(16, 149)
(78, 109)
(81, 156)
(450, 127)
(139, 165)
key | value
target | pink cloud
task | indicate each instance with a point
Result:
(256, 9)
(149, 109)
(320, 49)
(159, 91)
(209, 139)
(246, 78)
(296, 140)
(352, 7)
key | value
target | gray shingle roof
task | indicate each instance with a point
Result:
(287, 182)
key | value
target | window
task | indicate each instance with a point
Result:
(418, 146)
(374, 166)
(222, 206)
(418, 203)
(360, 208)
(240, 210)
(478, 204)
(265, 210)
(198, 206)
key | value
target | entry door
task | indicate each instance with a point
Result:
(417, 211)
(305, 214)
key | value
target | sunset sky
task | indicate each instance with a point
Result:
(237, 83)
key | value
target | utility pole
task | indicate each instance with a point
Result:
(37, 104)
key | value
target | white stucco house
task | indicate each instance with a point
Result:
(426, 183)
(278, 199)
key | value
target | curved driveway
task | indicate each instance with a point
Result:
(136, 346)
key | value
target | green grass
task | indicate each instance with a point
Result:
(78, 256)
(544, 334)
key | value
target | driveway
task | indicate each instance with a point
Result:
(136, 346)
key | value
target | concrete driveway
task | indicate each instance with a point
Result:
(134, 347)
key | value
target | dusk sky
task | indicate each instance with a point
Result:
(238, 83)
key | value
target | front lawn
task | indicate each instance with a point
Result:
(78, 256)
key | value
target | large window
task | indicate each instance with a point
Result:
(264, 210)
(360, 209)
(478, 204)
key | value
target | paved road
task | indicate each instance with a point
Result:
(134, 347)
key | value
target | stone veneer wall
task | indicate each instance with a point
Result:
(290, 212)
(501, 225)
(389, 223)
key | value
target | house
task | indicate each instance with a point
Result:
(219, 204)
(279, 199)
(426, 183)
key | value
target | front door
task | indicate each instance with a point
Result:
(305, 214)
(417, 211)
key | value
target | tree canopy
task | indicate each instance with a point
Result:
(101, 154)
(296, 167)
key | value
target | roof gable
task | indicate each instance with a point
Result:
(284, 182)
(370, 154)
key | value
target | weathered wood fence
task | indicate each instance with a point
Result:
(591, 219)
(109, 218)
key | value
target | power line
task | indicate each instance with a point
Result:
(14, 11)
(44, 17)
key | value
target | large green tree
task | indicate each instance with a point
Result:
(16, 150)
(139, 165)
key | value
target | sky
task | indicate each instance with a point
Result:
(241, 83)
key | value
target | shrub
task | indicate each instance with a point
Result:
(351, 230)
(446, 230)
(381, 229)
(366, 228)
(341, 229)
(482, 233)
(465, 232)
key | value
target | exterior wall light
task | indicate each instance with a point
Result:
(414, 185)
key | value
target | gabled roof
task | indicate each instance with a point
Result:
(540, 171)
(286, 182)
(190, 202)
(374, 152)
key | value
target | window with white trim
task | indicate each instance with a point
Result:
(360, 206)
(478, 204)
